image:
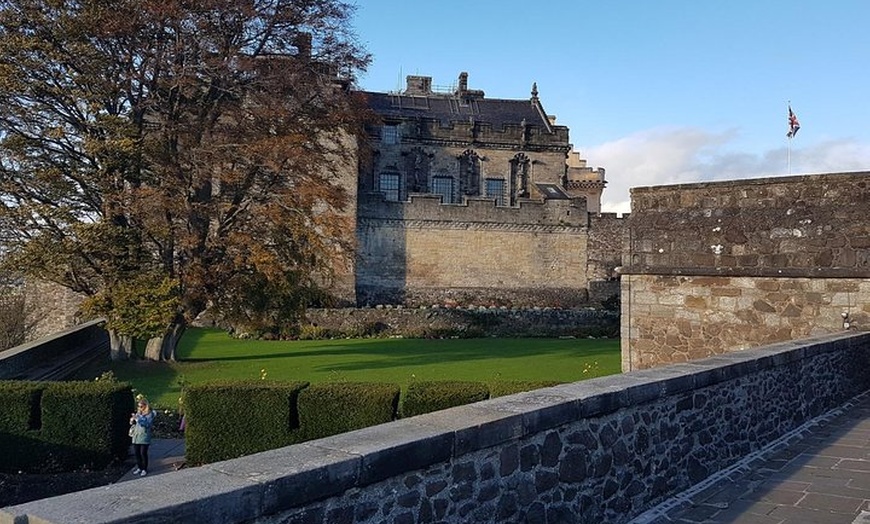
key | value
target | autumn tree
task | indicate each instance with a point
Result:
(167, 156)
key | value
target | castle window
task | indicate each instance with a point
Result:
(443, 185)
(390, 135)
(495, 189)
(388, 184)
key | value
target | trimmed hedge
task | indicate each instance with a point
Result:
(331, 408)
(429, 396)
(230, 419)
(60, 426)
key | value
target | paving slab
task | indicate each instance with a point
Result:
(822, 476)
(164, 455)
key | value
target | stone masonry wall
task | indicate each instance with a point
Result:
(680, 318)
(601, 450)
(423, 253)
(607, 239)
(52, 308)
(474, 321)
(722, 266)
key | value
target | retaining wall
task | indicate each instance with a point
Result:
(602, 450)
(26, 361)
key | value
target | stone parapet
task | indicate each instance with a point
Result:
(602, 450)
(678, 318)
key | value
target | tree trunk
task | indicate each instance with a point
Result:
(153, 348)
(120, 346)
(163, 347)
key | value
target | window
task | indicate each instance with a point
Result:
(442, 185)
(495, 189)
(390, 135)
(388, 184)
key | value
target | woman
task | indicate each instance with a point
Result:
(141, 423)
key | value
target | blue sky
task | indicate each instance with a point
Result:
(656, 92)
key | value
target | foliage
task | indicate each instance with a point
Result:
(331, 408)
(177, 154)
(43, 426)
(231, 419)
(15, 324)
(428, 396)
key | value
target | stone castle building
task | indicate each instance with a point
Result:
(468, 199)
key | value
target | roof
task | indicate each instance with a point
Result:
(447, 108)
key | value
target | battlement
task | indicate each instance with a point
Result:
(602, 217)
(423, 130)
(567, 213)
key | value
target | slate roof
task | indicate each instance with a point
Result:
(445, 108)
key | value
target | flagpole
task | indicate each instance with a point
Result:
(789, 136)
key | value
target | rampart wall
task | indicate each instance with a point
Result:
(601, 450)
(607, 241)
(34, 359)
(422, 252)
(722, 266)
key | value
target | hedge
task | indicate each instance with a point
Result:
(230, 419)
(62, 426)
(429, 396)
(332, 408)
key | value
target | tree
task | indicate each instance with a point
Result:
(165, 156)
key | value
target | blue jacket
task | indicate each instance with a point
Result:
(142, 428)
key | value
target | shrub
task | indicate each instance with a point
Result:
(61, 426)
(231, 419)
(336, 407)
(426, 397)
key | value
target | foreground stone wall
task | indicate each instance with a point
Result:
(721, 266)
(602, 450)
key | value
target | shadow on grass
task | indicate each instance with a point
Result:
(384, 354)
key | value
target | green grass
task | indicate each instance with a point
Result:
(211, 354)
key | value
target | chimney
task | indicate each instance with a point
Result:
(418, 85)
(302, 41)
(463, 83)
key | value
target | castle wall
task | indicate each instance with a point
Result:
(50, 307)
(421, 252)
(717, 267)
(606, 242)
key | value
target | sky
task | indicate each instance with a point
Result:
(654, 91)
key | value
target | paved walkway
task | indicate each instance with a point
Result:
(817, 474)
(163, 455)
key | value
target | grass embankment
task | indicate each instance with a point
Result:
(211, 354)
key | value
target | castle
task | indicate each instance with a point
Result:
(475, 200)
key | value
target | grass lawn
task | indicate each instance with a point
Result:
(211, 354)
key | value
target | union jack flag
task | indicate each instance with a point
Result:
(793, 124)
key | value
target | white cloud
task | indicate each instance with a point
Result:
(683, 155)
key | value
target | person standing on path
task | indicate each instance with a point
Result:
(141, 423)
